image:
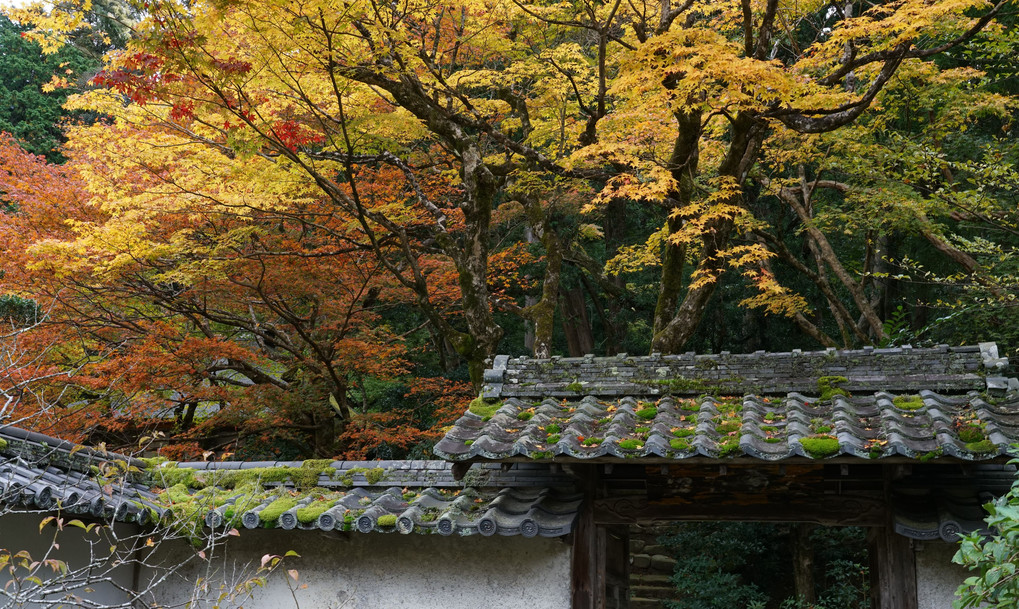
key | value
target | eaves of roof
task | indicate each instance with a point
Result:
(42, 473)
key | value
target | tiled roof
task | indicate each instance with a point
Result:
(395, 496)
(38, 472)
(973, 416)
(41, 473)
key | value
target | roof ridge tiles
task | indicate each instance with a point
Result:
(901, 368)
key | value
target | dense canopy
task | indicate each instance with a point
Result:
(301, 227)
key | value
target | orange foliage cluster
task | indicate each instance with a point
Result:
(204, 317)
(370, 432)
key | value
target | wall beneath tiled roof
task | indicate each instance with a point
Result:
(21, 532)
(936, 576)
(381, 571)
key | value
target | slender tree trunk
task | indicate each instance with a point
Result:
(683, 163)
(747, 137)
(542, 313)
(799, 200)
(803, 562)
(579, 339)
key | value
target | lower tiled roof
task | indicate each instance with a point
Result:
(42, 473)
(509, 511)
(926, 426)
(397, 496)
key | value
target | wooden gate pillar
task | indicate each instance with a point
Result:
(892, 569)
(587, 584)
(600, 577)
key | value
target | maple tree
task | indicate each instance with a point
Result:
(484, 159)
(239, 308)
(669, 105)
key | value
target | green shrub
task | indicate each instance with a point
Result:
(992, 559)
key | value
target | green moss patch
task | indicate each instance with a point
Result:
(729, 447)
(483, 408)
(387, 520)
(678, 444)
(553, 438)
(830, 386)
(647, 413)
(592, 441)
(908, 402)
(310, 513)
(275, 509)
(983, 446)
(970, 434)
(820, 447)
(630, 444)
(728, 426)
(306, 476)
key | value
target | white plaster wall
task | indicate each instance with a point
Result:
(937, 577)
(393, 571)
(21, 532)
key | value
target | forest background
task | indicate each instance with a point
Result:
(296, 229)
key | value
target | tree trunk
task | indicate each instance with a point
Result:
(579, 339)
(685, 155)
(803, 562)
(747, 136)
(542, 313)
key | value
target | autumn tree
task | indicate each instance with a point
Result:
(213, 307)
(541, 111)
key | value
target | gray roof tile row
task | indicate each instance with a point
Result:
(877, 425)
(508, 511)
(44, 488)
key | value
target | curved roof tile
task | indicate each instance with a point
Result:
(866, 426)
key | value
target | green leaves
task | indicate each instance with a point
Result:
(993, 558)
